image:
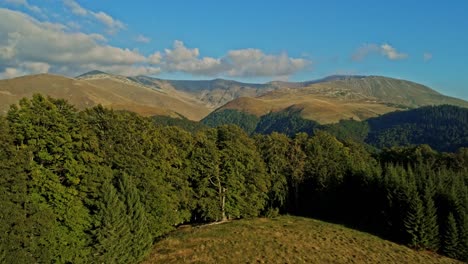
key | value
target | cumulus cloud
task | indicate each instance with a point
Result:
(237, 63)
(25, 4)
(29, 46)
(142, 39)
(113, 25)
(11, 72)
(391, 53)
(26, 40)
(427, 56)
(385, 50)
(253, 62)
(183, 59)
(155, 58)
(75, 8)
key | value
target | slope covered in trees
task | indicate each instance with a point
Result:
(103, 185)
(288, 121)
(246, 121)
(444, 128)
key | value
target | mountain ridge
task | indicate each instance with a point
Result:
(325, 100)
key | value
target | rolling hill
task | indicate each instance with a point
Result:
(285, 239)
(108, 90)
(336, 98)
(325, 101)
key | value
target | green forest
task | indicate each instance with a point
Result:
(102, 186)
(444, 128)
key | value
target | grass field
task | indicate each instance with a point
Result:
(285, 239)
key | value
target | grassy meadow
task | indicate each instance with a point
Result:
(285, 239)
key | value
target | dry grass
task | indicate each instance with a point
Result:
(107, 92)
(320, 108)
(285, 239)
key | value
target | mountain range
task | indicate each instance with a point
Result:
(326, 100)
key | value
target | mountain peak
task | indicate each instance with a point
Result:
(92, 73)
(335, 77)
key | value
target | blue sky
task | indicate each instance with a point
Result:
(252, 41)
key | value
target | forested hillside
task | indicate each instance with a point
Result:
(444, 128)
(102, 185)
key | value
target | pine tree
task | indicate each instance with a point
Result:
(140, 239)
(113, 232)
(414, 222)
(463, 238)
(450, 238)
(430, 226)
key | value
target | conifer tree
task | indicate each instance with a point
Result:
(140, 239)
(113, 232)
(430, 226)
(450, 239)
(414, 221)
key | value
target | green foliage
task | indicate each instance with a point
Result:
(414, 221)
(274, 149)
(348, 130)
(247, 122)
(122, 235)
(444, 128)
(288, 122)
(182, 122)
(102, 185)
(450, 238)
(430, 221)
(228, 175)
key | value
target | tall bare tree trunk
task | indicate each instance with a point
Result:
(223, 202)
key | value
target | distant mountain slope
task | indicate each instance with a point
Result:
(213, 93)
(343, 97)
(116, 92)
(444, 128)
(319, 108)
(392, 91)
(326, 100)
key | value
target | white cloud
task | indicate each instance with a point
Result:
(73, 25)
(237, 63)
(385, 50)
(427, 56)
(75, 8)
(183, 59)
(10, 72)
(26, 40)
(155, 58)
(113, 25)
(391, 53)
(253, 62)
(142, 39)
(25, 68)
(25, 3)
(30, 46)
(35, 67)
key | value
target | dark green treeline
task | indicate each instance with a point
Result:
(102, 185)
